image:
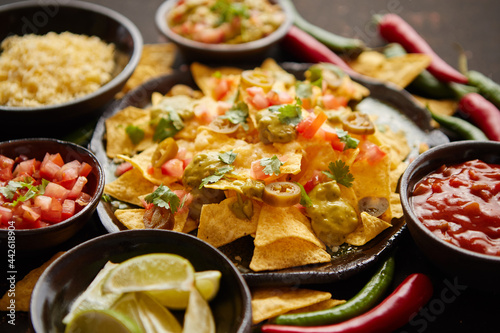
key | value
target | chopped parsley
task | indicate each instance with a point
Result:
(164, 197)
(290, 114)
(237, 114)
(339, 172)
(226, 158)
(271, 165)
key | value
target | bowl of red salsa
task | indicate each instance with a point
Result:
(451, 201)
(48, 190)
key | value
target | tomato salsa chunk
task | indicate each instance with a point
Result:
(35, 194)
(461, 204)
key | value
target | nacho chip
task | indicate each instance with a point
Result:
(118, 141)
(368, 229)
(219, 226)
(205, 78)
(323, 305)
(396, 208)
(271, 302)
(24, 287)
(400, 70)
(129, 187)
(442, 107)
(133, 219)
(285, 239)
(156, 60)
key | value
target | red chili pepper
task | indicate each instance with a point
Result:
(309, 49)
(483, 113)
(396, 30)
(393, 312)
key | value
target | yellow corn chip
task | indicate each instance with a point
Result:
(205, 77)
(442, 107)
(24, 287)
(323, 305)
(369, 228)
(219, 226)
(129, 187)
(400, 70)
(131, 218)
(118, 141)
(271, 302)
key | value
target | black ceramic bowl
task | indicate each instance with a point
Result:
(29, 240)
(219, 53)
(474, 269)
(70, 275)
(41, 17)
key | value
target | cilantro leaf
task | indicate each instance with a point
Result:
(290, 114)
(168, 127)
(339, 172)
(303, 89)
(164, 197)
(227, 157)
(14, 187)
(135, 133)
(237, 114)
(304, 197)
(218, 175)
(271, 165)
(228, 10)
(350, 142)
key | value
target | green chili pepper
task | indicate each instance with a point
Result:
(487, 87)
(335, 42)
(364, 300)
(462, 127)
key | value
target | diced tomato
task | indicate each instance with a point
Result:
(186, 199)
(222, 107)
(221, 88)
(122, 168)
(53, 213)
(84, 199)
(67, 174)
(331, 136)
(85, 169)
(6, 167)
(68, 209)
(173, 167)
(331, 102)
(77, 188)
(370, 152)
(309, 126)
(315, 180)
(5, 216)
(257, 171)
(25, 168)
(278, 98)
(43, 202)
(151, 170)
(49, 169)
(31, 214)
(56, 191)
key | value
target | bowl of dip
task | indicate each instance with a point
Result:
(219, 31)
(451, 202)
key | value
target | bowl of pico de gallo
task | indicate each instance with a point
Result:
(48, 191)
(221, 30)
(451, 201)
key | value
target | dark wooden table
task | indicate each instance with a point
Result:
(447, 25)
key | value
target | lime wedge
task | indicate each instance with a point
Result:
(94, 321)
(147, 312)
(157, 271)
(93, 297)
(207, 283)
(198, 317)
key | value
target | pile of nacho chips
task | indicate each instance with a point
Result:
(203, 127)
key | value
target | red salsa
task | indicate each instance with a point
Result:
(461, 204)
(35, 193)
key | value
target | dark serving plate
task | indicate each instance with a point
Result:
(395, 107)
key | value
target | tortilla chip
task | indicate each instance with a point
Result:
(156, 60)
(368, 229)
(442, 107)
(24, 287)
(323, 305)
(219, 226)
(400, 70)
(131, 218)
(129, 187)
(118, 141)
(271, 302)
(285, 239)
(204, 77)
(396, 208)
